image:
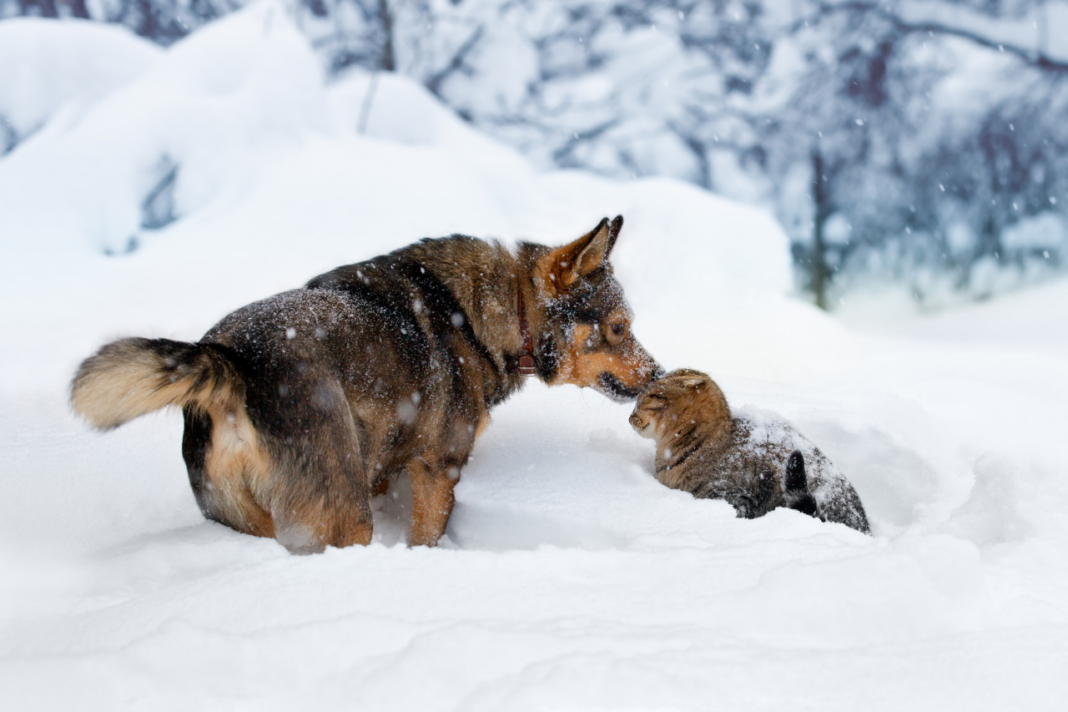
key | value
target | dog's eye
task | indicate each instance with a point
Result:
(619, 329)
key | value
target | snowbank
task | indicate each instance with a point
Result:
(58, 68)
(570, 578)
(203, 110)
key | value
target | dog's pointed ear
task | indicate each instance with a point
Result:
(569, 263)
(613, 234)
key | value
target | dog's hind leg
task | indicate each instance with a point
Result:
(226, 467)
(322, 496)
(326, 505)
(432, 499)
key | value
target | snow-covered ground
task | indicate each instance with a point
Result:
(570, 579)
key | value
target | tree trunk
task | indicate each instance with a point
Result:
(820, 272)
(388, 62)
(79, 9)
(149, 27)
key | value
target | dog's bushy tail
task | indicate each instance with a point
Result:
(797, 494)
(131, 377)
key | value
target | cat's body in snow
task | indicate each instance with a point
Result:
(756, 462)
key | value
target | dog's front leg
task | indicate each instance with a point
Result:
(432, 499)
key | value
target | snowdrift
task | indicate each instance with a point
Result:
(164, 189)
(53, 71)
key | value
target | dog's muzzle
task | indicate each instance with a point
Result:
(614, 388)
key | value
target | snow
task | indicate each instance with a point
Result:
(569, 579)
(59, 68)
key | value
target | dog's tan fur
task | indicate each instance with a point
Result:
(238, 465)
(123, 381)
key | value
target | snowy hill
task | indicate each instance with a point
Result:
(164, 189)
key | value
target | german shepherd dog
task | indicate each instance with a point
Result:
(298, 408)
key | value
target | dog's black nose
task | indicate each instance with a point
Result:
(658, 373)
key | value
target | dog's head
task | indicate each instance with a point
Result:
(682, 398)
(585, 337)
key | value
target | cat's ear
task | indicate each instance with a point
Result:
(689, 378)
(695, 382)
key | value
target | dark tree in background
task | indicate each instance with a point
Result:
(930, 190)
(162, 21)
(901, 143)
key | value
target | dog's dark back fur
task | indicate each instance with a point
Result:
(298, 407)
